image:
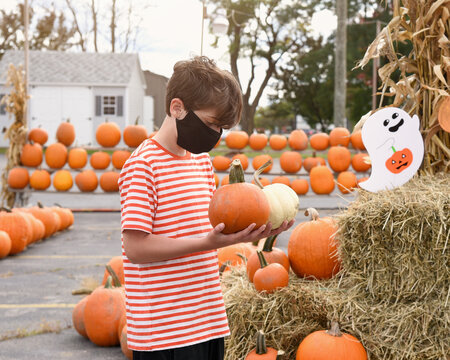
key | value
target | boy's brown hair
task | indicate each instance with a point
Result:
(200, 84)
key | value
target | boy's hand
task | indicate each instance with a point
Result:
(250, 234)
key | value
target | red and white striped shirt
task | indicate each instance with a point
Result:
(177, 302)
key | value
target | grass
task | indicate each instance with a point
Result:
(44, 327)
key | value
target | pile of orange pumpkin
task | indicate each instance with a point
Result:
(321, 176)
(101, 315)
(21, 227)
(61, 153)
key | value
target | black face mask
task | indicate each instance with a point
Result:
(194, 136)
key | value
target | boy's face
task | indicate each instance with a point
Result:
(208, 116)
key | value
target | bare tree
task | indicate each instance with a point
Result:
(94, 24)
(340, 85)
(113, 25)
(82, 40)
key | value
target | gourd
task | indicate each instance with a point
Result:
(262, 351)
(331, 344)
(269, 277)
(282, 199)
(238, 204)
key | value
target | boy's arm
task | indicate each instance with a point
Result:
(142, 247)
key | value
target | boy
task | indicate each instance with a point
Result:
(175, 308)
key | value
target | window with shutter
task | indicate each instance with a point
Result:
(98, 106)
(2, 106)
(120, 106)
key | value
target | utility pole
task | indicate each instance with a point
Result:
(340, 77)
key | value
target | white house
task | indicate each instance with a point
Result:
(87, 88)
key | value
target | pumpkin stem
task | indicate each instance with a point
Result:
(242, 256)
(68, 120)
(115, 278)
(262, 259)
(108, 284)
(236, 172)
(268, 244)
(136, 122)
(334, 330)
(259, 171)
(280, 354)
(393, 149)
(261, 347)
(223, 267)
(39, 204)
(313, 212)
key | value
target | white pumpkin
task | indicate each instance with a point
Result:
(283, 202)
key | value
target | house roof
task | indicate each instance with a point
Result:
(56, 67)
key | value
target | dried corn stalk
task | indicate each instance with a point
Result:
(425, 72)
(16, 105)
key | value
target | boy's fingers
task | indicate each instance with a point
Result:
(219, 228)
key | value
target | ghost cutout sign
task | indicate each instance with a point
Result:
(395, 146)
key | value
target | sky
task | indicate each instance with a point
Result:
(171, 31)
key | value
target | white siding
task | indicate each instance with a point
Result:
(149, 111)
(135, 94)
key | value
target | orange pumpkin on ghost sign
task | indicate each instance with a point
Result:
(401, 160)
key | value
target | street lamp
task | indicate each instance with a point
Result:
(219, 24)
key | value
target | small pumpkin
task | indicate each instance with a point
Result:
(258, 141)
(243, 159)
(225, 180)
(18, 178)
(65, 133)
(31, 155)
(262, 351)
(356, 140)
(40, 180)
(312, 248)
(119, 157)
(339, 158)
(322, 180)
(300, 186)
(283, 201)
(339, 136)
(18, 227)
(277, 142)
(124, 344)
(444, 114)
(108, 134)
(238, 204)
(86, 181)
(320, 344)
(100, 160)
(109, 181)
(77, 158)
(134, 134)
(260, 160)
(281, 180)
(237, 140)
(269, 277)
(312, 161)
(263, 180)
(271, 254)
(62, 180)
(233, 255)
(56, 155)
(298, 140)
(5, 244)
(48, 217)
(347, 182)
(399, 161)
(360, 163)
(291, 161)
(116, 263)
(319, 141)
(38, 135)
(221, 163)
(78, 317)
(64, 216)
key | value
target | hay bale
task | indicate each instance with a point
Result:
(393, 293)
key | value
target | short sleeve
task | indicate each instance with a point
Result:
(211, 177)
(137, 195)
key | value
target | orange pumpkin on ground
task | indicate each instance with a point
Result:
(312, 249)
(62, 180)
(5, 244)
(102, 314)
(221, 163)
(291, 161)
(300, 186)
(124, 344)
(238, 214)
(339, 158)
(232, 255)
(359, 162)
(109, 181)
(100, 160)
(236, 139)
(260, 160)
(19, 229)
(30, 220)
(257, 141)
(270, 277)
(277, 142)
(339, 136)
(64, 216)
(243, 159)
(38, 228)
(78, 317)
(119, 157)
(134, 135)
(38, 135)
(65, 134)
(319, 141)
(116, 264)
(298, 140)
(356, 140)
(347, 182)
(263, 352)
(86, 181)
(40, 180)
(271, 254)
(281, 180)
(320, 344)
(77, 158)
(31, 155)
(312, 161)
(56, 155)
(108, 134)
(48, 217)
(18, 178)
(321, 180)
